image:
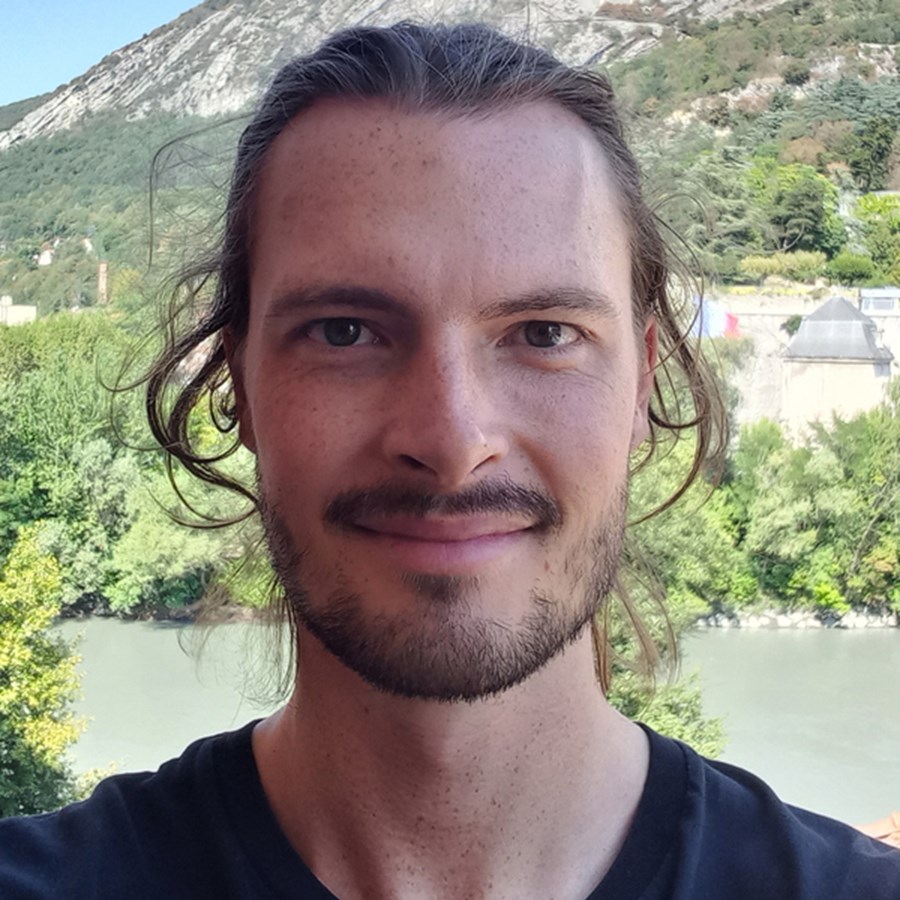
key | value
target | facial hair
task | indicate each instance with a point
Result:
(441, 650)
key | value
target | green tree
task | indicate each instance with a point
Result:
(796, 72)
(820, 522)
(868, 448)
(37, 685)
(880, 217)
(851, 268)
(800, 204)
(803, 213)
(869, 157)
(691, 548)
(158, 562)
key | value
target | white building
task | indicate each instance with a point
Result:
(836, 364)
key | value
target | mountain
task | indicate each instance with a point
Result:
(217, 57)
(757, 126)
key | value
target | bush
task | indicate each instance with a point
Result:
(792, 324)
(796, 73)
(801, 265)
(850, 268)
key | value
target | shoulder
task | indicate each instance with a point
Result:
(132, 834)
(708, 829)
(738, 830)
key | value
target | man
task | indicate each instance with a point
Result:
(441, 304)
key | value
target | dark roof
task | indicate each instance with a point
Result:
(837, 309)
(837, 330)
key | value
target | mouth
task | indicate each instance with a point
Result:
(454, 544)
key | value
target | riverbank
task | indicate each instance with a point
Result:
(193, 614)
(800, 620)
(767, 618)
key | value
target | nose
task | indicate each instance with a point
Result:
(445, 421)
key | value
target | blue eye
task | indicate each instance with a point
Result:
(340, 332)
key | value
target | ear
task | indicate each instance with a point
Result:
(647, 360)
(234, 356)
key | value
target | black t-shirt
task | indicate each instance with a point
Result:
(201, 827)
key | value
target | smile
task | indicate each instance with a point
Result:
(457, 544)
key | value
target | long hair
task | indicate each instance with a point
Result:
(456, 70)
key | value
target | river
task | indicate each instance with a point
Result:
(814, 713)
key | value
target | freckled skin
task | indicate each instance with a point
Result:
(528, 793)
(449, 215)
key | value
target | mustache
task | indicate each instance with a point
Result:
(496, 496)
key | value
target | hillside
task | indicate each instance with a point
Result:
(744, 61)
(758, 134)
(216, 57)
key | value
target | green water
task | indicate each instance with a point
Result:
(814, 713)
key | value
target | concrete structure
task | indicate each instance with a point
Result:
(102, 283)
(883, 301)
(10, 314)
(835, 364)
(882, 305)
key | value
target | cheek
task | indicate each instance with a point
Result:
(578, 437)
(303, 434)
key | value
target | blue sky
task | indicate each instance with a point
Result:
(45, 44)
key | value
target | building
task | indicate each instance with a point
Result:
(10, 314)
(835, 365)
(882, 301)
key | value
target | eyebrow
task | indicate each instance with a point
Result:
(356, 297)
(346, 295)
(576, 299)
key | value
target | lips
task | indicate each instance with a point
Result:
(454, 545)
(447, 530)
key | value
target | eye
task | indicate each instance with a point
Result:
(546, 335)
(340, 332)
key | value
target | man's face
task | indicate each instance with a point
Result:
(442, 381)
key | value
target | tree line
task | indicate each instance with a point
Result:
(86, 526)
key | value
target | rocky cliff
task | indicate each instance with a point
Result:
(216, 57)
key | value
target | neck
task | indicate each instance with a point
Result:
(530, 792)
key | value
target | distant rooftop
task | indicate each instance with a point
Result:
(837, 330)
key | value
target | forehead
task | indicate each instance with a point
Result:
(512, 195)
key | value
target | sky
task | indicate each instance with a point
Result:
(45, 44)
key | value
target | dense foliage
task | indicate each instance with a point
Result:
(708, 57)
(819, 525)
(37, 683)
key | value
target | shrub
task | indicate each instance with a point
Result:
(791, 325)
(796, 73)
(801, 265)
(850, 268)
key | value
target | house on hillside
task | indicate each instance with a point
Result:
(836, 364)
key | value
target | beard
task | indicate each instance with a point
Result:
(441, 649)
